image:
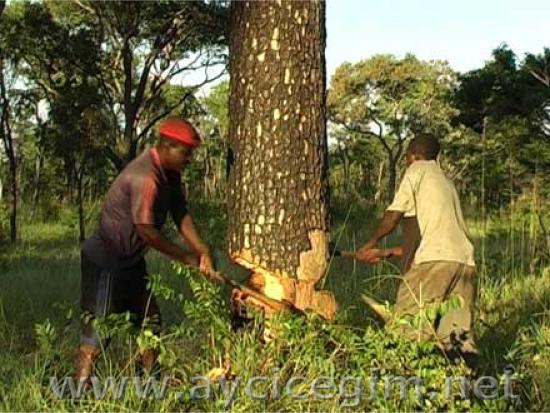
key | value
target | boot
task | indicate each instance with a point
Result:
(84, 362)
(148, 359)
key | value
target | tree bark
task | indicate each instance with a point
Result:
(378, 194)
(207, 178)
(278, 186)
(80, 200)
(39, 165)
(13, 212)
(394, 155)
(342, 152)
(9, 146)
(392, 178)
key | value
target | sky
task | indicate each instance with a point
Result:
(463, 32)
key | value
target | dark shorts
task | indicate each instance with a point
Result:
(104, 292)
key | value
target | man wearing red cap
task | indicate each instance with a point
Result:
(113, 277)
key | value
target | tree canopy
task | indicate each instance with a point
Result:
(389, 100)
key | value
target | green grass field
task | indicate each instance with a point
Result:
(39, 322)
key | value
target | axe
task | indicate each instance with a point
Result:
(385, 253)
(264, 299)
(335, 252)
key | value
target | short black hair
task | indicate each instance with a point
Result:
(425, 145)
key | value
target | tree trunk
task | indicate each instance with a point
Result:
(80, 201)
(207, 178)
(278, 187)
(378, 194)
(13, 212)
(366, 177)
(9, 146)
(392, 178)
(342, 152)
(217, 179)
(129, 147)
(39, 163)
(69, 183)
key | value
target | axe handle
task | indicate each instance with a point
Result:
(270, 302)
(343, 254)
(335, 252)
(347, 254)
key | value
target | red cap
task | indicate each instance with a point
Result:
(180, 130)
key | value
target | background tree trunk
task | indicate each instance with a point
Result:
(80, 201)
(13, 212)
(392, 178)
(379, 192)
(278, 187)
(9, 146)
(342, 152)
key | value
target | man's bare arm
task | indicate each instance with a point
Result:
(374, 255)
(197, 245)
(388, 223)
(156, 240)
(191, 236)
(393, 252)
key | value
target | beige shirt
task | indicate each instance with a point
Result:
(426, 192)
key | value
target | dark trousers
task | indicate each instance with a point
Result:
(104, 292)
(433, 283)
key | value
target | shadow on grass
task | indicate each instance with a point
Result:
(509, 309)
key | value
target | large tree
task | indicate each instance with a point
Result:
(538, 67)
(110, 62)
(389, 99)
(53, 71)
(146, 45)
(135, 50)
(506, 105)
(8, 142)
(13, 97)
(278, 189)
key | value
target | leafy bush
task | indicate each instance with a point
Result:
(332, 366)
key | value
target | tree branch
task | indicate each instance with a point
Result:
(83, 6)
(544, 78)
(167, 111)
(127, 59)
(157, 87)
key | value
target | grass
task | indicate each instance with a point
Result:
(39, 326)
